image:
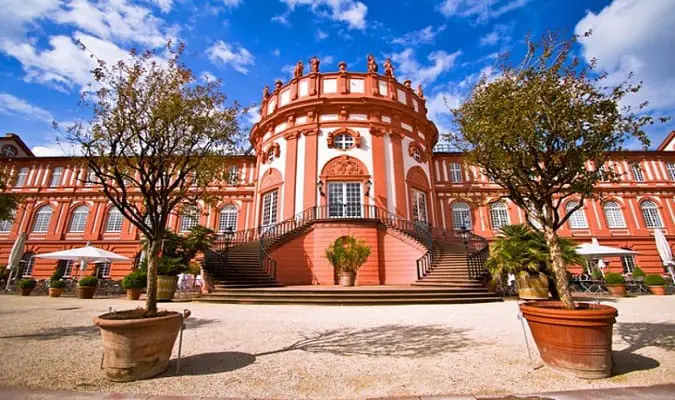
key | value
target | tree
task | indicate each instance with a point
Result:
(534, 130)
(8, 203)
(154, 143)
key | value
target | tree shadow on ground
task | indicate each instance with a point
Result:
(88, 331)
(209, 363)
(386, 340)
(638, 335)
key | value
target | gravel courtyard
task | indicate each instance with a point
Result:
(326, 352)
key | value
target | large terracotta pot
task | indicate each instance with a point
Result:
(55, 292)
(134, 293)
(140, 348)
(166, 287)
(346, 278)
(25, 291)
(86, 292)
(532, 287)
(575, 341)
(658, 290)
(617, 290)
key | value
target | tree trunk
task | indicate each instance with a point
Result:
(559, 270)
(154, 247)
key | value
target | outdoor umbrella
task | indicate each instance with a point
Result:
(15, 256)
(665, 252)
(85, 255)
(595, 250)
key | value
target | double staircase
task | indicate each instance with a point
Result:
(450, 271)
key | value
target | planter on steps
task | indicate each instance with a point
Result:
(658, 290)
(137, 348)
(346, 278)
(55, 292)
(574, 341)
(616, 290)
(86, 292)
(166, 287)
(134, 293)
(532, 287)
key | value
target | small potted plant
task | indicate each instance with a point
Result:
(656, 283)
(616, 284)
(134, 283)
(86, 287)
(56, 287)
(347, 255)
(26, 286)
(638, 274)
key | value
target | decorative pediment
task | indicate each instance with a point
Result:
(271, 177)
(272, 151)
(356, 136)
(344, 166)
(416, 152)
(418, 178)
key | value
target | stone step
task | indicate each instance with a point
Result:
(347, 301)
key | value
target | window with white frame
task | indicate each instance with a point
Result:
(55, 180)
(42, 219)
(650, 214)
(344, 199)
(419, 200)
(103, 270)
(613, 215)
(638, 176)
(417, 154)
(343, 141)
(455, 170)
(461, 216)
(21, 177)
(531, 217)
(91, 178)
(671, 170)
(79, 219)
(577, 219)
(499, 215)
(66, 267)
(6, 224)
(189, 218)
(233, 175)
(114, 222)
(228, 218)
(628, 264)
(269, 208)
(27, 263)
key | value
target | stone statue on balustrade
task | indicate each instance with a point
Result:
(372, 65)
(314, 64)
(299, 67)
(388, 68)
(266, 92)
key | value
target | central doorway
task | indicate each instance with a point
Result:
(344, 200)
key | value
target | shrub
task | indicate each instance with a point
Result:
(88, 281)
(57, 283)
(57, 275)
(654, 280)
(638, 272)
(596, 274)
(612, 278)
(347, 254)
(135, 280)
(27, 283)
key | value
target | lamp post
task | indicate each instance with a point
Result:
(464, 232)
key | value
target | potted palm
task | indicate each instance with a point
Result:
(656, 283)
(347, 254)
(26, 286)
(616, 284)
(134, 283)
(86, 287)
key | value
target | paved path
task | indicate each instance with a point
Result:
(656, 392)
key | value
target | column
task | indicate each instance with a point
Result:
(289, 181)
(380, 178)
(311, 152)
(399, 175)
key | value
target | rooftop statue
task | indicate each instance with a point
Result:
(314, 64)
(298, 70)
(372, 65)
(388, 68)
(420, 92)
(266, 92)
(342, 66)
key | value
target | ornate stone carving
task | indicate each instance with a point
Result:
(407, 83)
(298, 70)
(314, 64)
(274, 149)
(375, 131)
(417, 178)
(342, 67)
(277, 86)
(372, 64)
(330, 139)
(266, 92)
(420, 92)
(344, 166)
(416, 152)
(344, 115)
(388, 68)
(270, 178)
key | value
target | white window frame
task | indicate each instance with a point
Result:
(67, 267)
(345, 206)
(461, 215)
(651, 215)
(499, 215)
(28, 265)
(22, 177)
(638, 175)
(578, 218)
(613, 215)
(90, 177)
(455, 172)
(229, 214)
(670, 166)
(78, 220)
(269, 212)
(628, 264)
(55, 179)
(189, 218)
(419, 209)
(114, 220)
(43, 218)
(343, 141)
(233, 175)
(6, 224)
(104, 270)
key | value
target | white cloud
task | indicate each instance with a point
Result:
(164, 5)
(500, 34)
(19, 16)
(421, 36)
(439, 106)
(647, 48)
(276, 52)
(351, 12)
(232, 3)
(206, 76)
(11, 105)
(328, 60)
(489, 39)
(482, 10)
(320, 35)
(56, 149)
(236, 56)
(288, 70)
(253, 115)
(410, 68)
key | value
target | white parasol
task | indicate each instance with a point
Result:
(595, 250)
(85, 255)
(664, 251)
(15, 256)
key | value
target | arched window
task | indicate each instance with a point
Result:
(114, 222)
(43, 217)
(228, 218)
(613, 215)
(499, 215)
(461, 216)
(578, 218)
(189, 219)
(27, 263)
(650, 214)
(79, 219)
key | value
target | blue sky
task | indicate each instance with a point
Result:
(443, 44)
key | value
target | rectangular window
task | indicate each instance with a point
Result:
(455, 170)
(344, 199)
(269, 211)
(6, 224)
(21, 177)
(90, 179)
(638, 176)
(628, 264)
(114, 223)
(671, 170)
(578, 218)
(103, 270)
(419, 206)
(66, 267)
(233, 175)
(55, 180)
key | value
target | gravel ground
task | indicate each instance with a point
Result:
(326, 352)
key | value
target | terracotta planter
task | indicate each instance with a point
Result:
(55, 292)
(25, 291)
(134, 293)
(86, 292)
(573, 341)
(532, 287)
(346, 278)
(136, 349)
(617, 290)
(658, 290)
(166, 287)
